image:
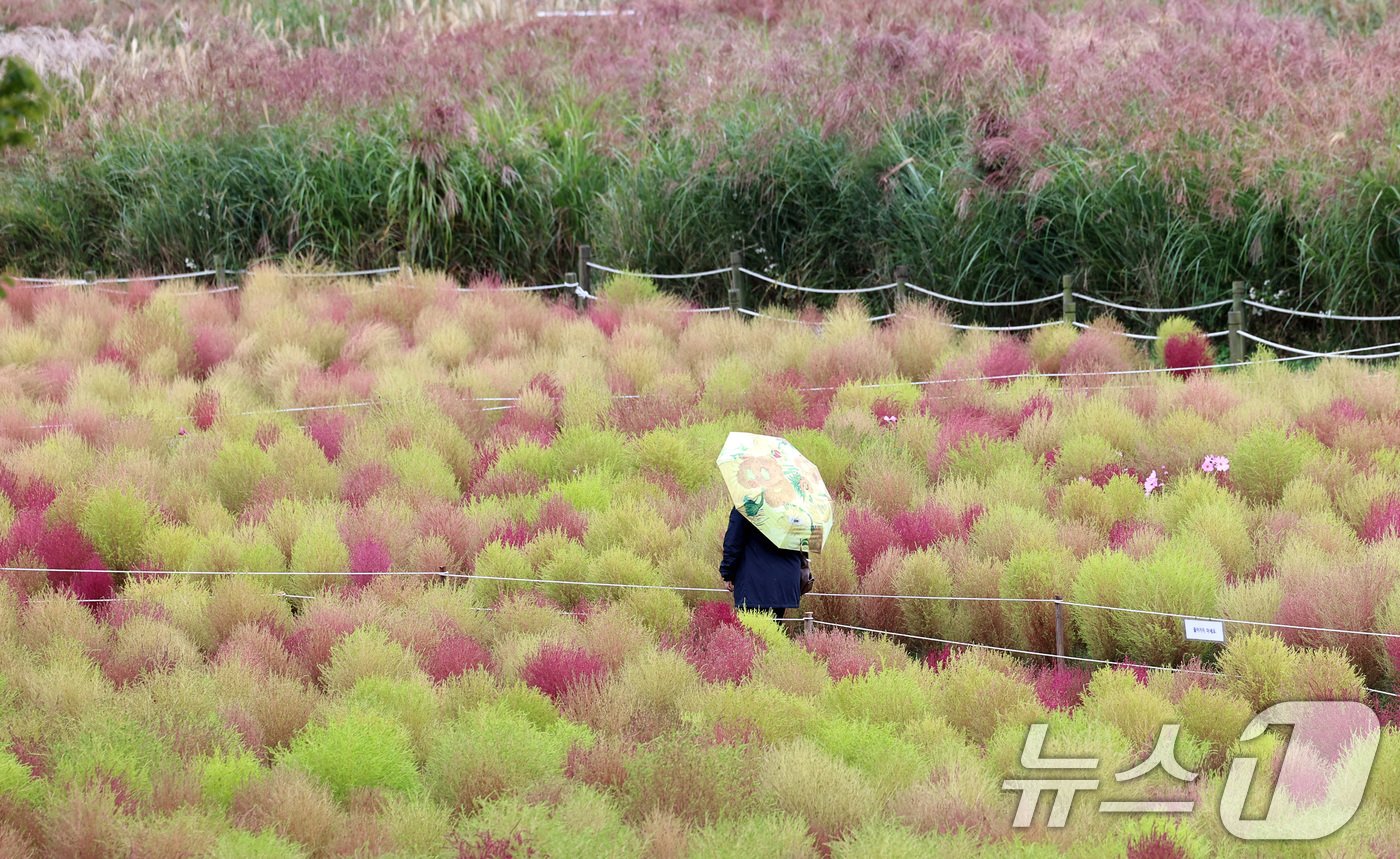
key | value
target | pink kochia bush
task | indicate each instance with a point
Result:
(718, 645)
(919, 529)
(206, 409)
(368, 557)
(327, 429)
(1186, 354)
(213, 345)
(454, 655)
(61, 548)
(1007, 358)
(870, 536)
(557, 669)
(844, 654)
(1382, 520)
(1061, 687)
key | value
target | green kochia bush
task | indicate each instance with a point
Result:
(117, 522)
(358, 749)
(495, 750)
(1182, 576)
(1266, 459)
(1037, 574)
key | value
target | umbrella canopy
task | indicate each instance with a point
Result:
(777, 489)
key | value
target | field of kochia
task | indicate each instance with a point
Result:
(346, 440)
(1161, 149)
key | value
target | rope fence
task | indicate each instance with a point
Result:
(444, 575)
(508, 403)
(580, 282)
(808, 620)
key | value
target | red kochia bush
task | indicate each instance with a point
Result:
(206, 408)
(726, 656)
(843, 652)
(317, 634)
(710, 616)
(919, 529)
(1008, 357)
(367, 557)
(1186, 354)
(327, 429)
(556, 669)
(887, 412)
(1060, 688)
(559, 515)
(1382, 521)
(213, 345)
(869, 536)
(1155, 845)
(25, 494)
(455, 654)
(360, 485)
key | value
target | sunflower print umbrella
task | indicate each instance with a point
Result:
(777, 489)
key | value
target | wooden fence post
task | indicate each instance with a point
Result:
(1068, 283)
(91, 277)
(807, 623)
(737, 283)
(405, 267)
(1235, 319)
(901, 285)
(220, 275)
(1059, 632)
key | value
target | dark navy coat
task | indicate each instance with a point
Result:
(764, 576)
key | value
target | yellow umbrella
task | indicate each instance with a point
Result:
(777, 489)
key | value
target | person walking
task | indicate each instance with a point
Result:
(760, 575)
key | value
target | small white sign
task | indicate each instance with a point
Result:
(1204, 630)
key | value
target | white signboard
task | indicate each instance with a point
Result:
(1204, 630)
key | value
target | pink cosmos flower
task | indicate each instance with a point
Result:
(1215, 463)
(1151, 483)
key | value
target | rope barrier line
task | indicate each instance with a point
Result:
(536, 288)
(1209, 305)
(362, 404)
(756, 315)
(681, 588)
(853, 291)
(1130, 335)
(1018, 651)
(154, 278)
(1015, 650)
(1024, 302)
(1002, 327)
(692, 589)
(1259, 305)
(46, 283)
(1261, 623)
(363, 273)
(1340, 353)
(685, 275)
(934, 598)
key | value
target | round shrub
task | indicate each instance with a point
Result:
(1266, 459)
(358, 749)
(557, 668)
(495, 750)
(1259, 667)
(116, 522)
